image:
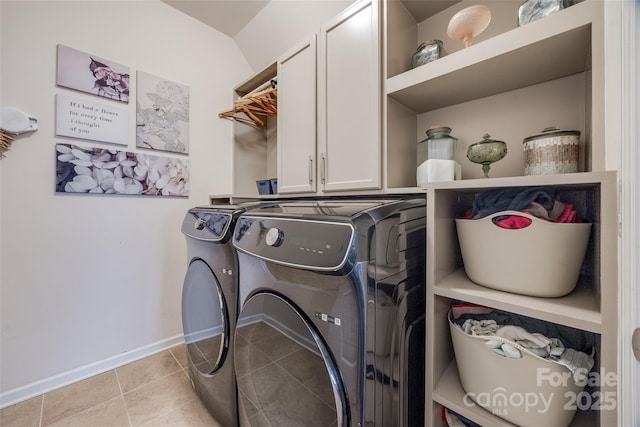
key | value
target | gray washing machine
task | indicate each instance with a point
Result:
(331, 324)
(209, 307)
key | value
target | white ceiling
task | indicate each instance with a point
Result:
(231, 16)
(227, 16)
(262, 29)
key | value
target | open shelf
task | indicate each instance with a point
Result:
(254, 148)
(590, 307)
(557, 46)
(579, 309)
(580, 179)
(449, 392)
(512, 83)
(255, 81)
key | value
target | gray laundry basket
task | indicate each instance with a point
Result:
(542, 260)
(529, 392)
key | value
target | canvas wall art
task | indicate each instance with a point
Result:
(91, 74)
(103, 171)
(81, 118)
(162, 114)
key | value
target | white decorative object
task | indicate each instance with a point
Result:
(12, 123)
(438, 170)
(468, 23)
(15, 121)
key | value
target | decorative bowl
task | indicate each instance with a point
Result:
(468, 23)
(486, 152)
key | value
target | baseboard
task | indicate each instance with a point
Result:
(37, 388)
(248, 320)
(203, 335)
(291, 334)
(282, 328)
(11, 397)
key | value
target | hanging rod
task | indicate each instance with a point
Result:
(253, 108)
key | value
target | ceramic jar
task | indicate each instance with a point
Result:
(532, 10)
(552, 151)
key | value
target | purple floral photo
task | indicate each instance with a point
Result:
(91, 74)
(105, 171)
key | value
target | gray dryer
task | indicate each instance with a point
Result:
(209, 307)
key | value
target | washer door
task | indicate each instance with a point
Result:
(286, 375)
(205, 318)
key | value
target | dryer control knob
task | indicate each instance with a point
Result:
(274, 237)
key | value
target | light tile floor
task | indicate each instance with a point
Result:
(151, 392)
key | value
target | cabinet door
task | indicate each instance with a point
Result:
(297, 119)
(350, 100)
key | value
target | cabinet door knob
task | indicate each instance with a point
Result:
(635, 343)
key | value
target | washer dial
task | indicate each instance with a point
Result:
(274, 237)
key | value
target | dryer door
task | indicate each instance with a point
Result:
(205, 318)
(286, 375)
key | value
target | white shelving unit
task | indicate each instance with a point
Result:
(591, 307)
(511, 83)
(506, 84)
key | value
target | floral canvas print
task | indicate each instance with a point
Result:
(106, 171)
(91, 74)
(162, 114)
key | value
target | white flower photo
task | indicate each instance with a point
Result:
(105, 171)
(162, 114)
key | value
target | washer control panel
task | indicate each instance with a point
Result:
(200, 224)
(317, 245)
(205, 224)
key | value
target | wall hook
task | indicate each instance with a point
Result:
(13, 123)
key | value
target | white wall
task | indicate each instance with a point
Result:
(281, 25)
(91, 282)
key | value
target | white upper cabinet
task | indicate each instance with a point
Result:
(327, 137)
(297, 119)
(349, 95)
